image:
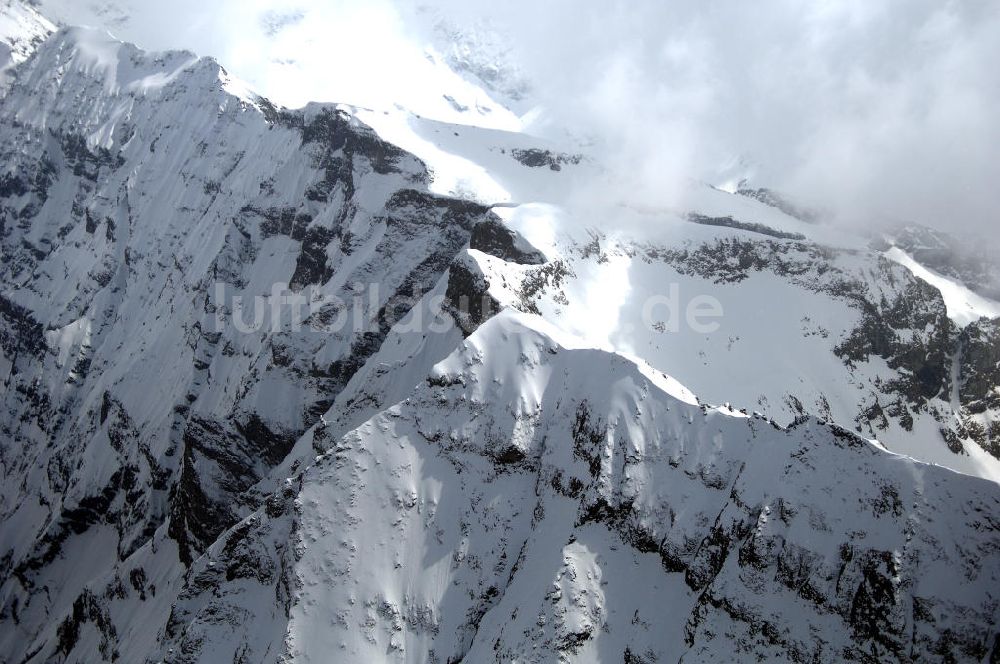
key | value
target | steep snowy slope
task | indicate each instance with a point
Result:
(21, 30)
(798, 321)
(538, 500)
(903, 392)
(814, 319)
(141, 200)
(969, 261)
(201, 292)
(964, 305)
(599, 514)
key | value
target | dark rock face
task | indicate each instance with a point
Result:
(311, 267)
(548, 277)
(493, 238)
(970, 260)
(979, 371)
(82, 161)
(732, 260)
(924, 361)
(19, 331)
(337, 133)
(535, 158)
(729, 222)
(281, 221)
(874, 616)
(221, 461)
(774, 199)
(88, 609)
(467, 297)
(259, 554)
(978, 349)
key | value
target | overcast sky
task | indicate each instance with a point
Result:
(875, 110)
(871, 109)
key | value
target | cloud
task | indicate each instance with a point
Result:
(877, 112)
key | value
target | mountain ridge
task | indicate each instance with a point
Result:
(483, 460)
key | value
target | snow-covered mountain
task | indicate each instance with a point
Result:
(21, 30)
(338, 384)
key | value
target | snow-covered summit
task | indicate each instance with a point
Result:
(345, 383)
(22, 28)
